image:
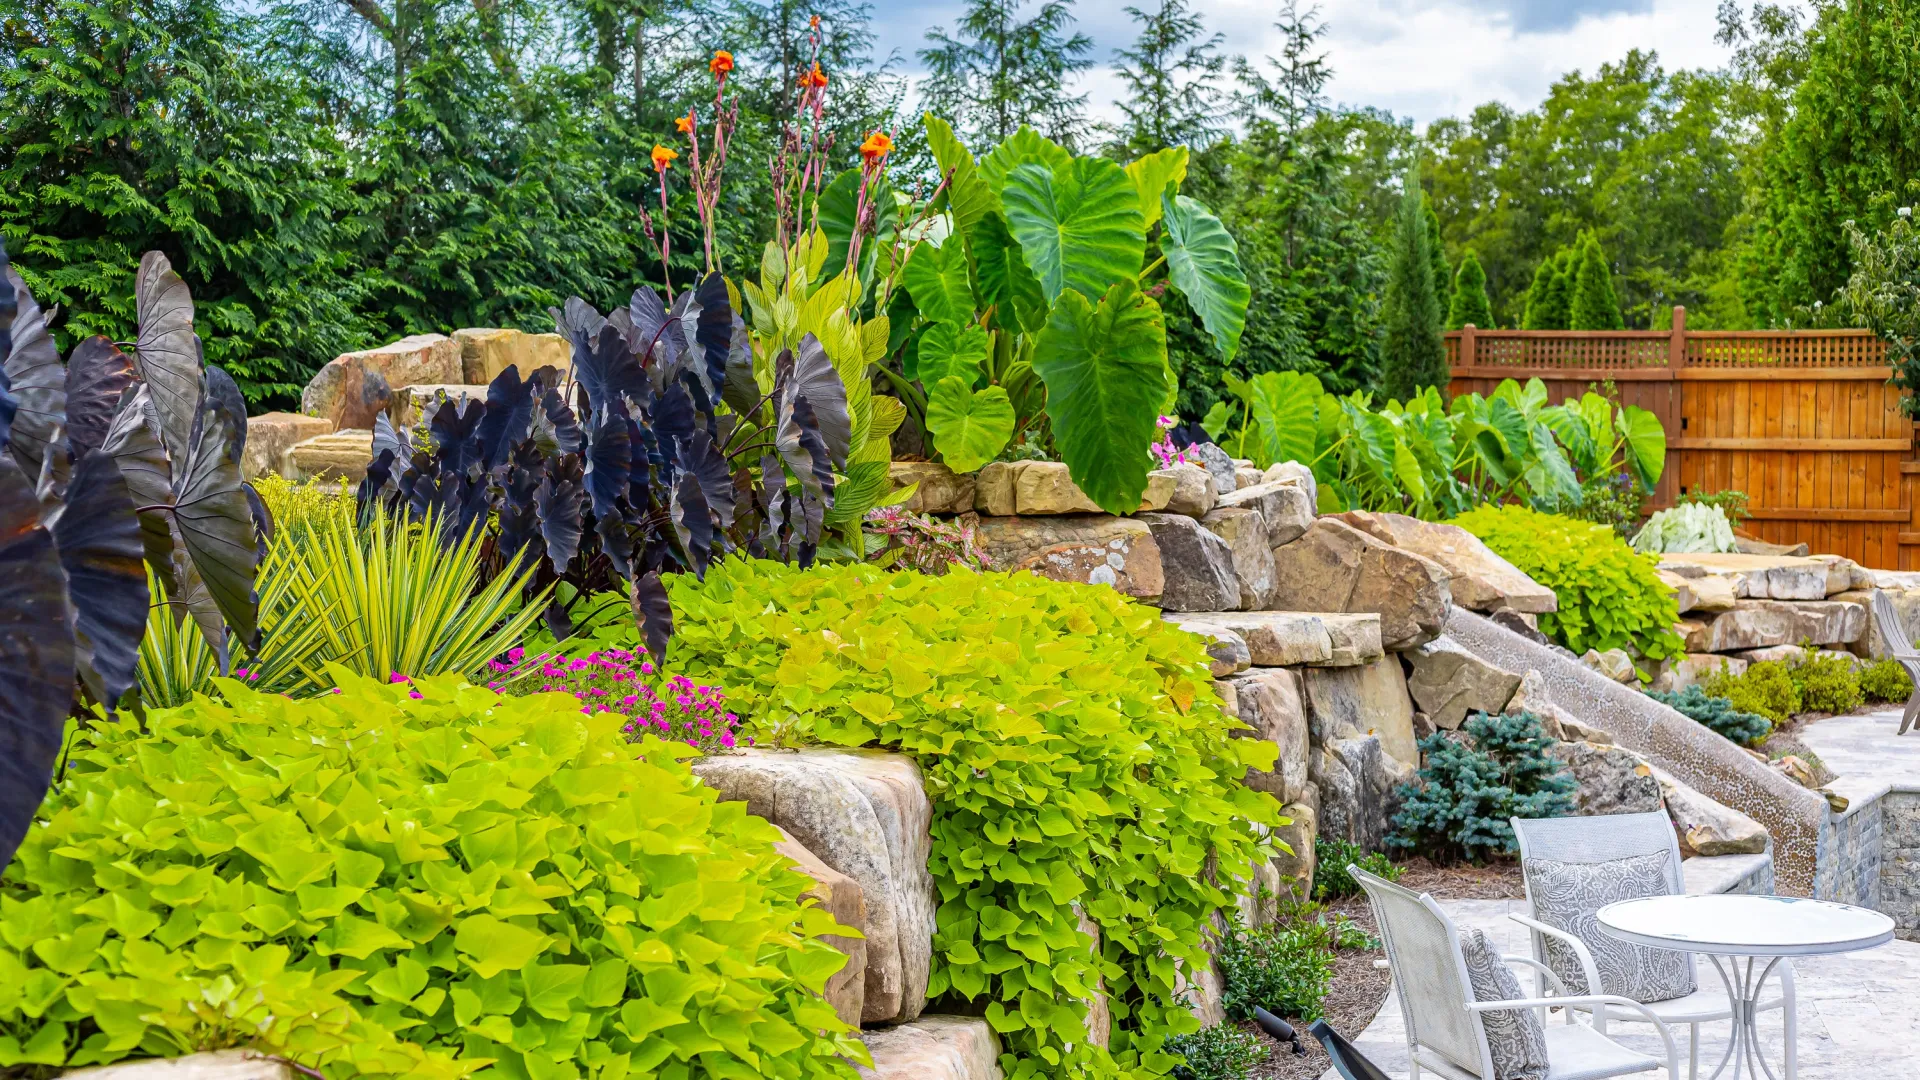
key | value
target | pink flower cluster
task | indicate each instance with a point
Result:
(1164, 451)
(618, 681)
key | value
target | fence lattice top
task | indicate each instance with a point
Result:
(1679, 347)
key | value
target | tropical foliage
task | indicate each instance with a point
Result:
(1686, 527)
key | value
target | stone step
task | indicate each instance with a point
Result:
(485, 352)
(1293, 638)
(341, 456)
(270, 435)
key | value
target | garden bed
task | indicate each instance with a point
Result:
(1353, 999)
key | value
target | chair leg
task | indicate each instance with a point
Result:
(1912, 712)
(1792, 1068)
(1693, 1052)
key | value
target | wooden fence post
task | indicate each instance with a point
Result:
(1466, 345)
(1667, 491)
(1677, 339)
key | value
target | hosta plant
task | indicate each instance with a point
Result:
(110, 458)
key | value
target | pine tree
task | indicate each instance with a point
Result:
(999, 71)
(1172, 75)
(1470, 301)
(1442, 273)
(1594, 306)
(1412, 357)
(1535, 315)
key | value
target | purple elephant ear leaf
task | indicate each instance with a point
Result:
(815, 377)
(713, 331)
(167, 353)
(36, 656)
(98, 375)
(702, 460)
(655, 613)
(558, 503)
(693, 521)
(507, 419)
(37, 385)
(213, 517)
(133, 440)
(98, 538)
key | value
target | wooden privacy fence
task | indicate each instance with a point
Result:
(1800, 420)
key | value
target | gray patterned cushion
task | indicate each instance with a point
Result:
(1516, 1037)
(1566, 896)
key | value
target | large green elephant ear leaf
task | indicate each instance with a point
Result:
(1023, 147)
(969, 198)
(1105, 371)
(1152, 174)
(951, 349)
(936, 278)
(1285, 409)
(1646, 440)
(1079, 225)
(970, 427)
(1204, 263)
(1006, 282)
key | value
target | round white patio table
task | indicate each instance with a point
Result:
(1736, 928)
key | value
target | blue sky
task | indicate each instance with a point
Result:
(1420, 58)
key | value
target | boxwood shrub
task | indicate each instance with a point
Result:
(1077, 758)
(374, 882)
(1610, 596)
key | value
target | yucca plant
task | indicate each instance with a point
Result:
(399, 602)
(176, 661)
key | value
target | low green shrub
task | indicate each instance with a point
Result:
(1460, 803)
(1886, 680)
(409, 881)
(1331, 858)
(1077, 759)
(1717, 713)
(1610, 597)
(1328, 928)
(1218, 1052)
(1283, 969)
(1828, 683)
(1765, 688)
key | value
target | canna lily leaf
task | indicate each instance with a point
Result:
(36, 653)
(1155, 177)
(38, 386)
(1105, 371)
(98, 375)
(969, 427)
(1024, 147)
(969, 198)
(98, 537)
(946, 349)
(1646, 449)
(1079, 225)
(937, 279)
(1204, 264)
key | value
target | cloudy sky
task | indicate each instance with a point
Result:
(1419, 58)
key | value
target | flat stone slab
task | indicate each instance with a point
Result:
(1760, 624)
(934, 1048)
(1766, 577)
(211, 1065)
(1294, 638)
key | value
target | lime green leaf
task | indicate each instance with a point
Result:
(969, 427)
(1080, 225)
(968, 196)
(1204, 264)
(1153, 174)
(552, 987)
(490, 946)
(1105, 371)
(1284, 408)
(950, 349)
(1023, 147)
(936, 278)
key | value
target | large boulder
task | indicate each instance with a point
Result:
(338, 456)
(1245, 532)
(1705, 827)
(1370, 699)
(1448, 682)
(1612, 780)
(1291, 638)
(940, 490)
(271, 435)
(1218, 465)
(1756, 624)
(1359, 787)
(865, 814)
(1336, 567)
(1906, 612)
(1193, 491)
(1763, 577)
(1295, 864)
(840, 896)
(1478, 579)
(1038, 488)
(934, 1048)
(1295, 471)
(1269, 702)
(485, 352)
(1283, 504)
(1196, 566)
(1089, 548)
(422, 358)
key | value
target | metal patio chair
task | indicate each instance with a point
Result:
(1887, 622)
(1446, 1029)
(1619, 836)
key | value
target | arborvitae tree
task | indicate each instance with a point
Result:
(1538, 309)
(1442, 273)
(1470, 301)
(1594, 305)
(1553, 308)
(1411, 356)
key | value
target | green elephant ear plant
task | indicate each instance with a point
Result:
(108, 460)
(1034, 316)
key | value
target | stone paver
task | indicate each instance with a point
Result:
(1859, 1013)
(1865, 752)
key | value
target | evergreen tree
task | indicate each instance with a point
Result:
(1594, 305)
(1470, 302)
(1412, 356)
(998, 71)
(1172, 75)
(1442, 273)
(1537, 311)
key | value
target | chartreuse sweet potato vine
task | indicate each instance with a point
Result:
(375, 884)
(1076, 757)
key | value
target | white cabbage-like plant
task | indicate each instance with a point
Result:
(1689, 527)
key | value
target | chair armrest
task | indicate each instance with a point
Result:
(1580, 951)
(1543, 975)
(1673, 1051)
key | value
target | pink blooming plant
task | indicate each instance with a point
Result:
(1164, 451)
(619, 681)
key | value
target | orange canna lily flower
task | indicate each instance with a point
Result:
(813, 80)
(683, 124)
(814, 22)
(663, 158)
(878, 145)
(721, 63)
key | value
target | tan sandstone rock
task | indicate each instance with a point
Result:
(271, 435)
(1245, 532)
(208, 1065)
(1370, 699)
(864, 813)
(1090, 548)
(1196, 565)
(1756, 624)
(1478, 579)
(1046, 487)
(1296, 863)
(1271, 705)
(1290, 638)
(934, 1048)
(1706, 827)
(940, 490)
(1193, 493)
(1226, 650)
(1611, 780)
(1337, 567)
(840, 896)
(422, 358)
(1448, 682)
(1359, 786)
(1297, 472)
(412, 403)
(486, 352)
(341, 456)
(1283, 504)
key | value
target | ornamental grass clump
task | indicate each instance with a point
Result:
(1082, 773)
(622, 682)
(415, 879)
